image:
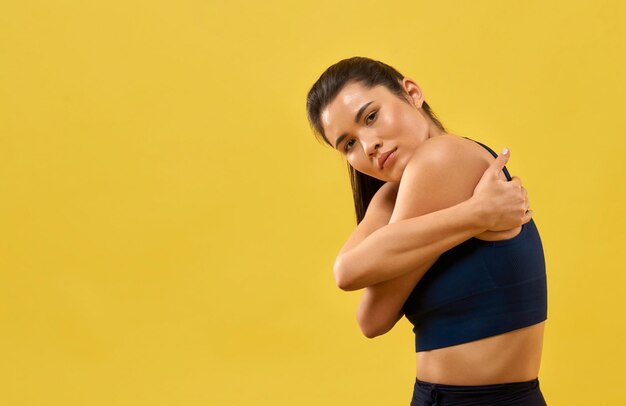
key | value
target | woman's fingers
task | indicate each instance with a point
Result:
(517, 181)
(499, 163)
(528, 214)
(527, 217)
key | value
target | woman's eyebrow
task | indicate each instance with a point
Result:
(361, 110)
(356, 120)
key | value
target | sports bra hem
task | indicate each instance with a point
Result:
(477, 337)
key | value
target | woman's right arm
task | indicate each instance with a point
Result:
(411, 243)
(380, 306)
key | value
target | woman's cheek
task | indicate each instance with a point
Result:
(387, 121)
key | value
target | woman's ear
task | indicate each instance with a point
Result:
(414, 92)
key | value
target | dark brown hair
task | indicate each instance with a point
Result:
(369, 73)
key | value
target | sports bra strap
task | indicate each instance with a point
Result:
(506, 172)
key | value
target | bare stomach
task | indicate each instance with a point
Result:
(514, 356)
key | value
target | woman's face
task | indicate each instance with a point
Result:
(375, 130)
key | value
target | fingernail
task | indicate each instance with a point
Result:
(505, 151)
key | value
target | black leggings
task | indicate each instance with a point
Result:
(509, 394)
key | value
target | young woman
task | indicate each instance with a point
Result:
(427, 200)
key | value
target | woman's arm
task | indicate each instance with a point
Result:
(414, 239)
(380, 306)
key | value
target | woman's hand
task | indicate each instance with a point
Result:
(502, 205)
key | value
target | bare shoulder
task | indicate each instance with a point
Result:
(443, 171)
(384, 198)
(448, 149)
(386, 190)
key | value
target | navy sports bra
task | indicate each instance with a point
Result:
(479, 289)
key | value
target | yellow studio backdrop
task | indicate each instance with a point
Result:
(168, 222)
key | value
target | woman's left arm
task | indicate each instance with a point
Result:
(380, 306)
(441, 174)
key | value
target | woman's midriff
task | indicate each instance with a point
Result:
(514, 356)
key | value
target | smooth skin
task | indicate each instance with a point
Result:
(441, 190)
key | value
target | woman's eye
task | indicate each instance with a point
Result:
(370, 117)
(348, 145)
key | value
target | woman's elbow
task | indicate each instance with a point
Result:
(371, 330)
(342, 275)
(371, 333)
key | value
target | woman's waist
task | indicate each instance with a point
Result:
(514, 356)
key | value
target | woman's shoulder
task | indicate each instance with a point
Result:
(386, 194)
(449, 150)
(443, 172)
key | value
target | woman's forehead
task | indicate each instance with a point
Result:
(355, 93)
(350, 99)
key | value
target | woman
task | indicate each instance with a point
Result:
(431, 201)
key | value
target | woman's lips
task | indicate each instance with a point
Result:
(389, 159)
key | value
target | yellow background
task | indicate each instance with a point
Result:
(168, 222)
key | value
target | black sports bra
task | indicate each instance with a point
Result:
(480, 289)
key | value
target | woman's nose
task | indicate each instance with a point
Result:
(371, 146)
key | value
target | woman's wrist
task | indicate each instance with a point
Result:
(478, 215)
